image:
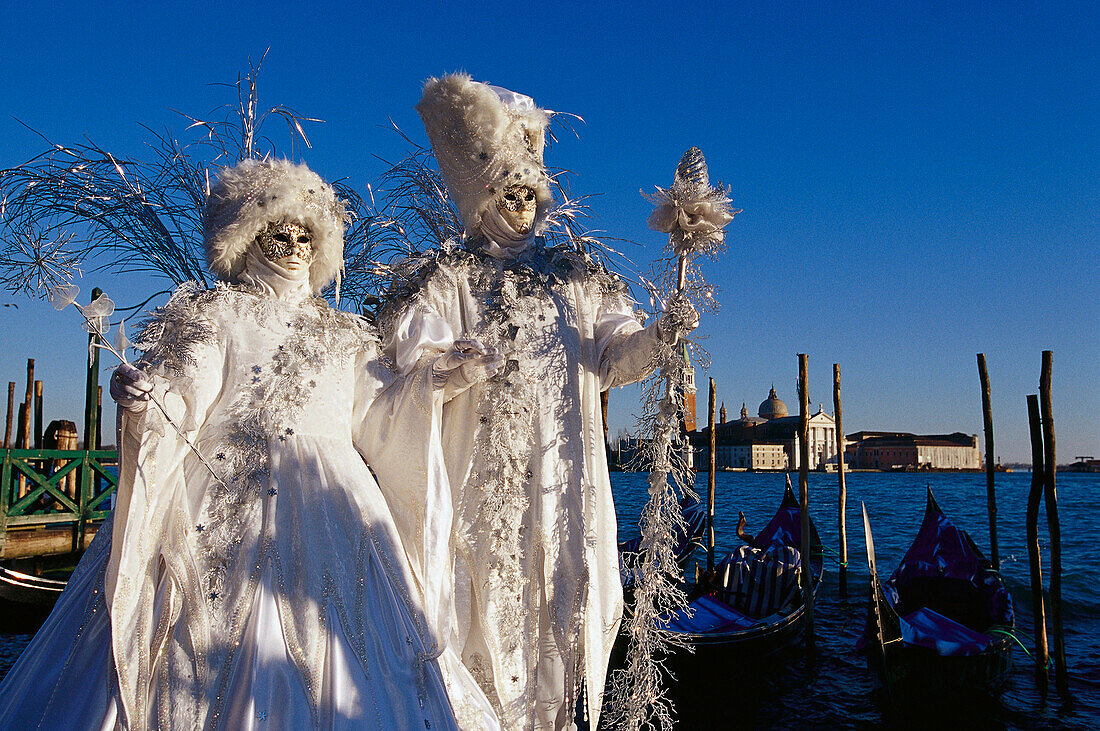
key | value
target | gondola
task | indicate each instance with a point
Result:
(26, 599)
(739, 624)
(754, 606)
(719, 642)
(940, 626)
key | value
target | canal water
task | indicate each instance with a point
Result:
(832, 688)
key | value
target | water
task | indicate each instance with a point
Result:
(834, 688)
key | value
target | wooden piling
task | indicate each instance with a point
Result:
(62, 434)
(605, 396)
(38, 414)
(990, 490)
(20, 427)
(843, 502)
(11, 414)
(20, 431)
(99, 418)
(804, 490)
(713, 458)
(91, 386)
(91, 425)
(28, 405)
(23, 433)
(1034, 499)
(1051, 494)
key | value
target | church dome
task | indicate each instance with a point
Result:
(772, 407)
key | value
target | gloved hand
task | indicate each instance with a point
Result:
(678, 320)
(130, 388)
(467, 362)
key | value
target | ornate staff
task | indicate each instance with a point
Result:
(95, 322)
(694, 215)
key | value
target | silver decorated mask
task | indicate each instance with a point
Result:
(280, 240)
(518, 205)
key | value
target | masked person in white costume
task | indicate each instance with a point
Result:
(271, 588)
(538, 595)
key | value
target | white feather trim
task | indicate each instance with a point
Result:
(252, 194)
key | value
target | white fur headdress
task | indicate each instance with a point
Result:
(485, 139)
(252, 194)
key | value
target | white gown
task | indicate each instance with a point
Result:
(280, 595)
(538, 596)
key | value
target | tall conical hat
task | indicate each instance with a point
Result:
(486, 139)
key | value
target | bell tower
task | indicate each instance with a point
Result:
(689, 391)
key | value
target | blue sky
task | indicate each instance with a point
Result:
(919, 181)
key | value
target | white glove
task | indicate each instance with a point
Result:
(678, 320)
(467, 362)
(130, 388)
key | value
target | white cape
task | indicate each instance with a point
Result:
(538, 595)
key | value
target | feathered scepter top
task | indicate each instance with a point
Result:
(693, 212)
(694, 215)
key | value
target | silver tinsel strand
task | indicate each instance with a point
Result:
(694, 214)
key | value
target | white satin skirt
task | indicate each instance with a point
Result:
(65, 678)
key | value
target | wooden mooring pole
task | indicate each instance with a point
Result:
(1034, 499)
(804, 492)
(91, 395)
(23, 435)
(91, 434)
(713, 459)
(38, 414)
(605, 396)
(11, 414)
(990, 490)
(28, 405)
(843, 502)
(1051, 494)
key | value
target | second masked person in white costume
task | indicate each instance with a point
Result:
(538, 597)
(273, 590)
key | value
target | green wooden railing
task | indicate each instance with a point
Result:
(40, 475)
(35, 491)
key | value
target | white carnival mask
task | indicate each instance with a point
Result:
(280, 240)
(517, 205)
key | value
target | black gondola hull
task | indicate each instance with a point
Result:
(914, 675)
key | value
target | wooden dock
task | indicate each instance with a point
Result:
(52, 500)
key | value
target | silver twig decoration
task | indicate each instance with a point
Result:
(81, 204)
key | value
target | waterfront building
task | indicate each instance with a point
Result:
(872, 450)
(754, 442)
(1082, 464)
(757, 456)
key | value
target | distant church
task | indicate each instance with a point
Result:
(767, 441)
